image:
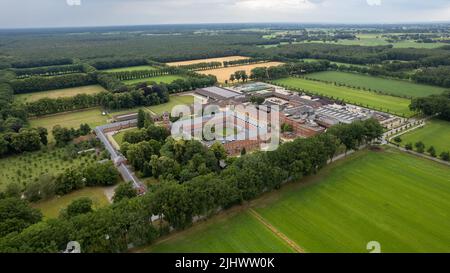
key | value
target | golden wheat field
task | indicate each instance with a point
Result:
(222, 59)
(223, 74)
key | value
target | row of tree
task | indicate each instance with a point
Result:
(40, 83)
(142, 74)
(49, 70)
(433, 105)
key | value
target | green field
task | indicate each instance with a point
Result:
(52, 207)
(396, 105)
(377, 40)
(119, 136)
(93, 117)
(389, 86)
(399, 200)
(27, 167)
(435, 133)
(60, 93)
(131, 68)
(174, 101)
(237, 233)
(159, 79)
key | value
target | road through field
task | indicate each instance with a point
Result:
(275, 231)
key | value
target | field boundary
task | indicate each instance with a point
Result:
(276, 232)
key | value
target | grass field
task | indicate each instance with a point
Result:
(389, 86)
(51, 208)
(399, 200)
(222, 59)
(174, 101)
(131, 68)
(223, 74)
(435, 133)
(119, 136)
(395, 105)
(27, 167)
(159, 79)
(236, 233)
(60, 93)
(93, 117)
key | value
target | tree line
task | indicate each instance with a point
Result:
(40, 83)
(432, 105)
(178, 202)
(48, 70)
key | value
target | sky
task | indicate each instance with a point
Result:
(68, 13)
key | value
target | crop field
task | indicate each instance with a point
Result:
(395, 105)
(223, 74)
(159, 79)
(209, 60)
(93, 117)
(60, 93)
(52, 207)
(388, 86)
(396, 199)
(336, 63)
(174, 101)
(27, 167)
(131, 68)
(435, 133)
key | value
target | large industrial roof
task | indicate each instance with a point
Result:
(220, 92)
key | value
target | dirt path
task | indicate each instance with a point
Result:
(277, 233)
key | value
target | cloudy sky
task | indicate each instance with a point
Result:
(61, 13)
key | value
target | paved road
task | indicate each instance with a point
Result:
(118, 159)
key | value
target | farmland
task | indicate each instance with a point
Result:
(131, 68)
(60, 93)
(388, 86)
(174, 101)
(222, 59)
(159, 79)
(396, 199)
(27, 167)
(93, 117)
(223, 74)
(373, 100)
(52, 207)
(435, 133)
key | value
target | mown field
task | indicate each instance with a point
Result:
(131, 68)
(223, 74)
(388, 86)
(27, 167)
(159, 79)
(93, 117)
(209, 60)
(60, 93)
(399, 200)
(435, 133)
(235, 233)
(174, 101)
(52, 207)
(396, 105)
